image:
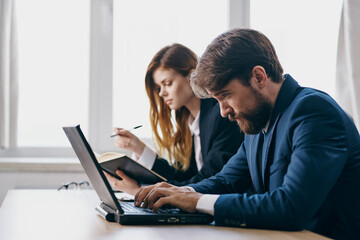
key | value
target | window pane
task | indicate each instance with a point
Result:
(304, 34)
(53, 69)
(143, 27)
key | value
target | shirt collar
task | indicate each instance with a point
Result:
(289, 89)
(266, 128)
(194, 124)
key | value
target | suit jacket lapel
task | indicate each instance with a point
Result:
(288, 92)
(205, 105)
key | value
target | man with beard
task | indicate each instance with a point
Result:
(301, 153)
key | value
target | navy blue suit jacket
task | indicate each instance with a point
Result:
(310, 170)
(219, 139)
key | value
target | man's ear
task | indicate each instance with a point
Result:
(260, 76)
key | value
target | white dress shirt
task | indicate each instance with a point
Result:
(194, 126)
(148, 156)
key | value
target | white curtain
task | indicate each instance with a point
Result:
(348, 60)
(8, 75)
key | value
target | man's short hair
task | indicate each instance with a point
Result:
(234, 54)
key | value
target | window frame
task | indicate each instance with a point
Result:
(101, 79)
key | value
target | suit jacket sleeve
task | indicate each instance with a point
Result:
(233, 178)
(317, 154)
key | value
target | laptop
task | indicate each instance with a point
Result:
(110, 207)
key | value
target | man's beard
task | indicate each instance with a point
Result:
(253, 121)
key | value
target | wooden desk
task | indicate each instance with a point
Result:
(65, 215)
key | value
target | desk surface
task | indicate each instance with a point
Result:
(51, 214)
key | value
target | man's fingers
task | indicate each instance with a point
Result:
(137, 196)
(141, 194)
(144, 192)
(154, 196)
(161, 202)
(150, 196)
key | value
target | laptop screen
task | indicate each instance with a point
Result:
(92, 167)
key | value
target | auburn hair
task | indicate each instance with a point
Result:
(234, 54)
(173, 138)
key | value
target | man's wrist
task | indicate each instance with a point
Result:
(189, 188)
(206, 203)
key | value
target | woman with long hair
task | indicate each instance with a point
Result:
(187, 130)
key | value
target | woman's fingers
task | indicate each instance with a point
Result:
(122, 174)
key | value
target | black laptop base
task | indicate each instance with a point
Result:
(140, 219)
(163, 220)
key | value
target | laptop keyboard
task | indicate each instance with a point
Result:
(130, 208)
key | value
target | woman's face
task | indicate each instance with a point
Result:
(173, 87)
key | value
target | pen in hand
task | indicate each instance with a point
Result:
(128, 130)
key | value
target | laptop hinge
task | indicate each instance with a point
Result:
(107, 213)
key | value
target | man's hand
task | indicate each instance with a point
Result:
(160, 194)
(144, 191)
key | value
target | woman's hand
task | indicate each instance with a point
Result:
(125, 139)
(127, 184)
